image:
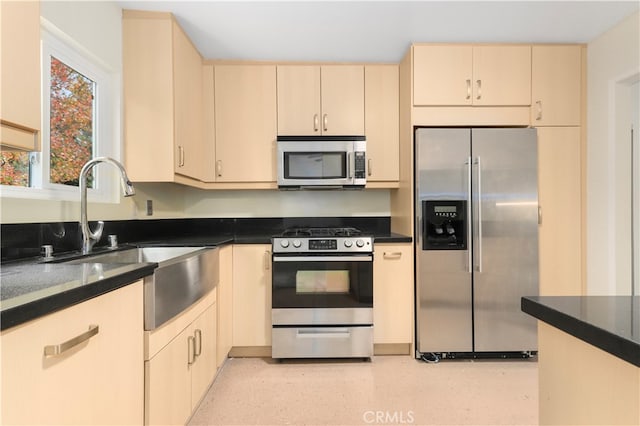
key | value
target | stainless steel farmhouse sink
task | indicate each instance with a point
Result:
(183, 276)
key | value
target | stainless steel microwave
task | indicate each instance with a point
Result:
(322, 162)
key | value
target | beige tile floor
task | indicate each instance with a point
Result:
(388, 390)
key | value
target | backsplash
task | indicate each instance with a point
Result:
(25, 240)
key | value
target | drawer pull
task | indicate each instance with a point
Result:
(198, 342)
(55, 350)
(392, 255)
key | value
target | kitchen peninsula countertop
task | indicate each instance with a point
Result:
(610, 323)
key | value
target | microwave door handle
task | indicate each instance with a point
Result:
(350, 165)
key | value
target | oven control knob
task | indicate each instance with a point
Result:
(284, 243)
(348, 243)
(297, 243)
(360, 243)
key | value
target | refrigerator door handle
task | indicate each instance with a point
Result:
(469, 164)
(479, 163)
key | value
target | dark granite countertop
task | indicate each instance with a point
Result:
(31, 290)
(611, 323)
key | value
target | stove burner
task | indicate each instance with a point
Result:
(321, 232)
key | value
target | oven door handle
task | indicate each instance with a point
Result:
(323, 259)
(324, 332)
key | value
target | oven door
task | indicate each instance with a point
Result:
(322, 281)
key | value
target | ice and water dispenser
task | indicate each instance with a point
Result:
(444, 225)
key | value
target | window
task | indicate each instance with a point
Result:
(78, 125)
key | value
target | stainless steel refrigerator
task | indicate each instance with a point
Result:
(477, 220)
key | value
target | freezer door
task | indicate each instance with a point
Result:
(443, 289)
(505, 248)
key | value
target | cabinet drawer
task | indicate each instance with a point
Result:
(84, 383)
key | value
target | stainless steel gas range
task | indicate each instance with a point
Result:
(322, 294)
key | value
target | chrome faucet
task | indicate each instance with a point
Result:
(89, 238)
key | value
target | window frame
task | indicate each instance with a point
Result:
(53, 42)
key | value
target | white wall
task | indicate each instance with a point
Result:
(613, 66)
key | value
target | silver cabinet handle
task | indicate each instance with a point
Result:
(539, 215)
(539, 114)
(325, 122)
(191, 349)
(469, 212)
(180, 156)
(55, 350)
(315, 122)
(198, 343)
(369, 168)
(219, 168)
(392, 255)
(267, 260)
(479, 84)
(468, 88)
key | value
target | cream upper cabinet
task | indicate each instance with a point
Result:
(99, 380)
(382, 122)
(320, 100)
(20, 75)
(556, 85)
(559, 188)
(393, 293)
(472, 75)
(188, 106)
(163, 112)
(251, 295)
(245, 123)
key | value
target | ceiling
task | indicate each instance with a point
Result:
(378, 31)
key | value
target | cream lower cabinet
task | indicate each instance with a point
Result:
(178, 373)
(559, 188)
(251, 295)
(393, 294)
(98, 381)
(382, 123)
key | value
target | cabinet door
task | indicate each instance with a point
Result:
(168, 382)
(20, 75)
(560, 198)
(252, 295)
(556, 83)
(382, 122)
(203, 370)
(187, 74)
(99, 381)
(298, 100)
(225, 304)
(502, 75)
(148, 97)
(342, 98)
(246, 123)
(442, 75)
(208, 110)
(392, 293)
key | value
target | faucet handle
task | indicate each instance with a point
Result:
(97, 234)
